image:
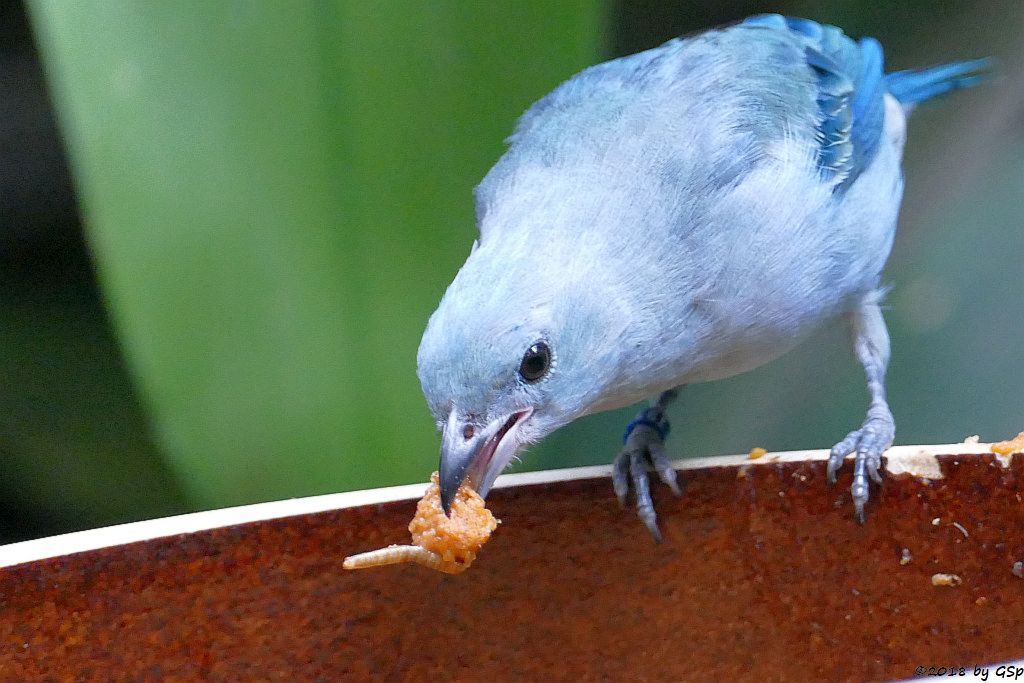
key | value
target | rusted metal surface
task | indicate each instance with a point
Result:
(763, 576)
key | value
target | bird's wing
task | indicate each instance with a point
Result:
(850, 93)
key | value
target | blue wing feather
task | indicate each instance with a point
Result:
(851, 92)
(868, 101)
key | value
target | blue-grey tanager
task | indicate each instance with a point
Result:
(679, 215)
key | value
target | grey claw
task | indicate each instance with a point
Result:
(620, 477)
(834, 464)
(873, 466)
(859, 488)
(644, 504)
(869, 442)
(652, 526)
(663, 467)
(838, 455)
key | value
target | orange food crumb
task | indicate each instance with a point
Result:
(946, 580)
(447, 544)
(1014, 445)
(458, 538)
(756, 453)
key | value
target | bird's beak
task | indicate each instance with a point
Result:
(477, 455)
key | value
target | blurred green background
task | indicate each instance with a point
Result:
(275, 194)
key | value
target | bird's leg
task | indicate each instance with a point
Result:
(871, 343)
(644, 444)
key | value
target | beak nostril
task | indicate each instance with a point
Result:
(468, 432)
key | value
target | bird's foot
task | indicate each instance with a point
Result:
(644, 445)
(869, 442)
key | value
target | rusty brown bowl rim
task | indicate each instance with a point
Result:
(917, 460)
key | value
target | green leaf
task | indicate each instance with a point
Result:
(276, 194)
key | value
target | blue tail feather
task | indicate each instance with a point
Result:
(911, 87)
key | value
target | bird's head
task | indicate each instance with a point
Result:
(517, 348)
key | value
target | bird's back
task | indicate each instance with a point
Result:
(691, 117)
(742, 183)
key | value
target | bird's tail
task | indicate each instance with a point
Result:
(911, 87)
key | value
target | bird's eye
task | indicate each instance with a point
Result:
(536, 362)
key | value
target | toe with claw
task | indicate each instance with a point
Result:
(868, 443)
